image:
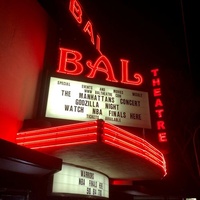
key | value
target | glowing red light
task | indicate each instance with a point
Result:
(125, 79)
(75, 9)
(70, 63)
(77, 12)
(102, 64)
(92, 132)
(162, 137)
(59, 136)
(159, 112)
(124, 140)
(158, 103)
(160, 124)
(88, 28)
(68, 56)
(98, 44)
(156, 92)
(156, 82)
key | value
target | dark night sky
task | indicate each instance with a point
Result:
(147, 32)
(136, 25)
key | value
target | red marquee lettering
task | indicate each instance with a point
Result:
(158, 103)
(160, 125)
(98, 44)
(162, 137)
(125, 73)
(155, 72)
(88, 28)
(156, 92)
(156, 82)
(70, 63)
(68, 56)
(159, 113)
(102, 64)
(76, 10)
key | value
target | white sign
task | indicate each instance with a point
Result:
(82, 101)
(75, 180)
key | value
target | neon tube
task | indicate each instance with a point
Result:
(91, 132)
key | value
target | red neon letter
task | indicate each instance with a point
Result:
(98, 44)
(159, 113)
(75, 9)
(156, 92)
(160, 125)
(88, 28)
(162, 137)
(70, 56)
(158, 103)
(125, 80)
(106, 68)
(156, 82)
(154, 71)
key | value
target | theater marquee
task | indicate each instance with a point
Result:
(76, 180)
(82, 101)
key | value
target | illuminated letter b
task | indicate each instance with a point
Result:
(69, 62)
(76, 10)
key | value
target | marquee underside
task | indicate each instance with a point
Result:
(99, 146)
(115, 163)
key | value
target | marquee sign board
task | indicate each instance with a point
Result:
(82, 101)
(76, 180)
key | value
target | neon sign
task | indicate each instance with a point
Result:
(73, 58)
(102, 64)
(158, 105)
(93, 132)
(77, 13)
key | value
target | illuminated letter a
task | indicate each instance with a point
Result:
(68, 56)
(102, 64)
